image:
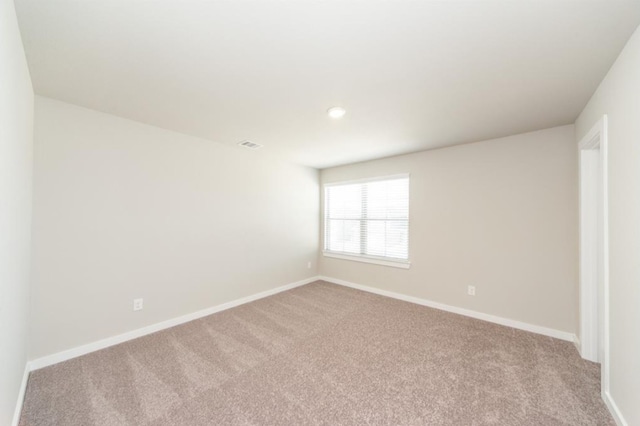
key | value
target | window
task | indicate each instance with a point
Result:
(368, 220)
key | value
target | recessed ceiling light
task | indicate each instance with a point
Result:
(336, 112)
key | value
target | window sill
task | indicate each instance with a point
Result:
(403, 264)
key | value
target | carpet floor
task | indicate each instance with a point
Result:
(324, 354)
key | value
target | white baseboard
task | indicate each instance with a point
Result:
(114, 340)
(23, 390)
(613, 409)
(563, 335)
(576, 343)
(130, 335)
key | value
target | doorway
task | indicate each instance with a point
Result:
(594, 249)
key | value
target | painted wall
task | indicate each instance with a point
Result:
(124, 210)
(501, 215)
(618, 96)
(16, 168)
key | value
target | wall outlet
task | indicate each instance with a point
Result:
(308, 265)
(137, 304)
(471, 290)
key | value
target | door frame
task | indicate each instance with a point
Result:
(594, 249)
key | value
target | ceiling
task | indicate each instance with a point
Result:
(412, 75)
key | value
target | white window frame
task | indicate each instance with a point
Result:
(377, 260)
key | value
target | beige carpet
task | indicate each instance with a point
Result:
(323, 354)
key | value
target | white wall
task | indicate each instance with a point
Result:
(501, 215)
(618, 96)
(124, 210)
(16, 141)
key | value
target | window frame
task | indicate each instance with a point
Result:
(378, 260)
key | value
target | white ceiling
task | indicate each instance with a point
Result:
(413, 75)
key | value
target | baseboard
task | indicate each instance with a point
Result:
(613, 409)
(23, 390)
(576, 343)
(563, 335)
(130, 335)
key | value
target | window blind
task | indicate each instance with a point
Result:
(368, 218)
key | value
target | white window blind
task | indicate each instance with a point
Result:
(368, 218)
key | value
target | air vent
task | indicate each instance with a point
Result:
(250, 145)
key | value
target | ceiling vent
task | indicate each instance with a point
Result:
(250, 145)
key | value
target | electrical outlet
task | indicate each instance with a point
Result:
(308, 265)
(471, 290)
(137, 304)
